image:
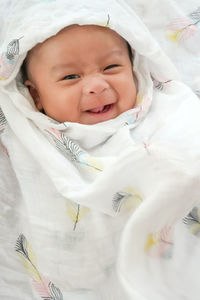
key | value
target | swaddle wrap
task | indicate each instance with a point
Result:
(94, 211)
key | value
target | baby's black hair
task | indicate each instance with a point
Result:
(24, 71)
(130, 53)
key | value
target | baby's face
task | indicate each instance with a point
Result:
(83, 74)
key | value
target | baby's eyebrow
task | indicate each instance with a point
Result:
(117, 52)
(60, 67)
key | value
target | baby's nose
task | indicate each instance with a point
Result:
(95, 85)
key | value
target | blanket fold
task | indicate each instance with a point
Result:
(104, 211)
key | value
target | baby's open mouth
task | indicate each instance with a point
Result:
(102, 109)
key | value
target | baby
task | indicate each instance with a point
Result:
(100, 158)
(83, 74)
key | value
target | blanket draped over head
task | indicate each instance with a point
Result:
(105, 211)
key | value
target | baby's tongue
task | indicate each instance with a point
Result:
(96, 110)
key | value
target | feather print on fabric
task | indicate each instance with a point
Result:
(4, 149)
(45, 288)
(118, 200)
(159, 84)
(129, 117)
(76, 212)
(143, 103)
(197, 92)
(160, 244)
(192, 220)
(2, 121)
(66, 146)
(127, 198)
(105, 23)
(5, 67)
(108, 21)
(146, 147)
(8, 59)
(13, 49)
(72, 150)
(183, 28)
(195, 15)
(93, 163)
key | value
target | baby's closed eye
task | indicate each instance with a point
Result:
(111, 67)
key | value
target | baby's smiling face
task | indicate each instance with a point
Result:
(83, 74)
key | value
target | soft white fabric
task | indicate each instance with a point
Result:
(95, 212)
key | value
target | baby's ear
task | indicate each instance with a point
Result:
(34, 94)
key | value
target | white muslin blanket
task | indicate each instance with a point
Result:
(107, 211)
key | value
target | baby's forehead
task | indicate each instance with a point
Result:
(74, 32)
